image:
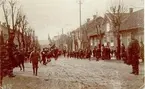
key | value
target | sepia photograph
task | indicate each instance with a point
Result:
(72, 44)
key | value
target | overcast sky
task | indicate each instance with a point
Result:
(50, 16)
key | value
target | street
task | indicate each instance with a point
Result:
(109, 32)
(70, 73)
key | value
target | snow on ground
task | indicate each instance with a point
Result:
(79, 74)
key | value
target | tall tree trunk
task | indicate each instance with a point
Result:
(100, 40)
(18, 37)
(27, 44)
(118, 47)
(100, 43)
(2, 38)
(118, 43)
(23, 39)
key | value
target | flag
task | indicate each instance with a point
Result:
(49, 39)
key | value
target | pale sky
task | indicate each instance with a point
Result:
(50, 16)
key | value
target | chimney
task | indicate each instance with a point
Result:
(94, 16)
(130, 10)
(88, 19)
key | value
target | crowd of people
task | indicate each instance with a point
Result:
(129, 55)
(98, 52)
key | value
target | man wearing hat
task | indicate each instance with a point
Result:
(133, 51)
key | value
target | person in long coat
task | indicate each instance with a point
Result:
(43, 54)
(98, 53)
(103, 52)
(133, 51)
(94, 52)
(34, 58)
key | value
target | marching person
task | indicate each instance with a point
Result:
(122, 51)
(94, 52)
(89, 53)
(55, 53)
(64, 52)
(98, 53)
(43, 53)
(133, 51)
(34, 56)
(108, 52)
(103, 52)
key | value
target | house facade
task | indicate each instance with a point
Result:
(132, 22)
(135, 24)
(100, 31)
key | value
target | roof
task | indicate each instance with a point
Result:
(129, 20)
(135, 20)
(109, 17)
(92, 31)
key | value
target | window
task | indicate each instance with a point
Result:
(108, 27)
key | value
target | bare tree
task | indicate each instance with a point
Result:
(10, 10)
(86, 39)
(23, 26)
(117, 16)
(18, 38)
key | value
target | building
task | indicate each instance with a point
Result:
(131, 22)
(91, 33)
(96, 30)
(135, 24)
(100, 30)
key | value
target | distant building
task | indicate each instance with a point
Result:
(60, 41)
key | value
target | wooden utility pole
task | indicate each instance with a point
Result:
(80, 17)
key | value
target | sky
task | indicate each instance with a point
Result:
(50, 16)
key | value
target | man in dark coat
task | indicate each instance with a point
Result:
(123, 53)
(64, 52)
(98, 53)
(108, 57)
(133, 51)
(94, 52)
(43, 54)
(122, 50)
(103, 52)
(88, 54)
(56, 52)
(34, 58)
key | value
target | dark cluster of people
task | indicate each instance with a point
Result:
(48, 53)
(11, 58)
(80, 54)
(14, 57)
(98, 53)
